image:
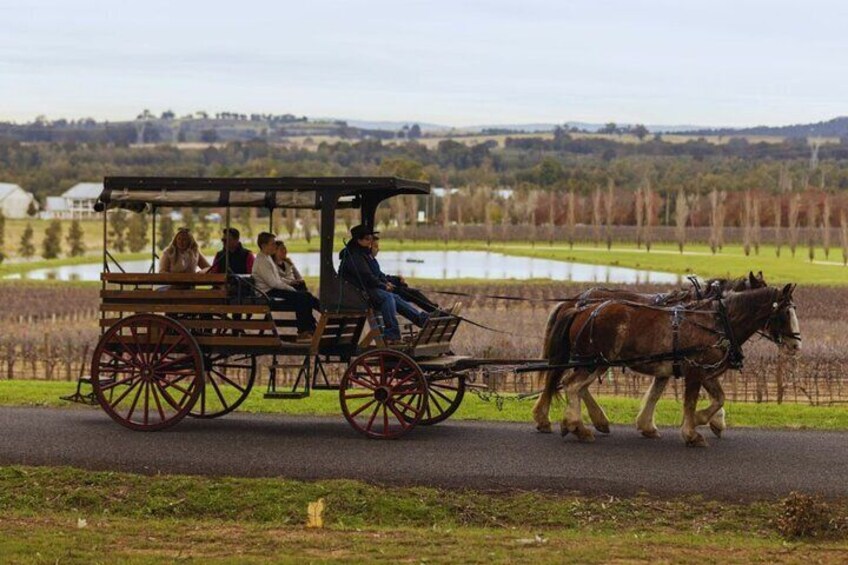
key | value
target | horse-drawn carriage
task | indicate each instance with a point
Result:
(176, 345)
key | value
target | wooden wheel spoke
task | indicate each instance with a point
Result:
(168, 398)
(403, 421)
(409, 407)
(385, 420)
(446, 398)
(108, 386)
(173, 362)
(158, 403)
(359, 395)
(373, 416)
(125, 393)
(375, 380)
(436, 402)
(226, 379)
(218, 392)
(134, 403)
(362, 383)
(146, 401)
(362, 408)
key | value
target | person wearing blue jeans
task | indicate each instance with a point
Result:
(391, 304)
(355, 269)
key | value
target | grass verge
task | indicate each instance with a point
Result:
(620, 410)
(145, 519)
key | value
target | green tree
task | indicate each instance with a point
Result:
(188, 219)
(118, 230)
(27, 248)
(75, 239)
(32, 209)
(137, 232)
(640, 131)
(51, 247)
(166, 231)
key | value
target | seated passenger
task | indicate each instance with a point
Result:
(355, 268)
(397, 284)
(239, 259)
(290, 274)
(182, 255)
(266, 276)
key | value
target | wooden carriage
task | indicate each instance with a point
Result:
(176, 345)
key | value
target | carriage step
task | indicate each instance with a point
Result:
(325, 387)
(286, 394)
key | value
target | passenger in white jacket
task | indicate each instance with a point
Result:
(268, 279)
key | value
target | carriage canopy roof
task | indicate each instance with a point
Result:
(140, 193)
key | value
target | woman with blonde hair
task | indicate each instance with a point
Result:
(182, 255)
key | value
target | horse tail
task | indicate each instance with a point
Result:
(557, 348)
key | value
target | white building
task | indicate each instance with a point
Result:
(76, 202)
(14, 200)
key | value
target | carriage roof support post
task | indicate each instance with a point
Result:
(153, 241)
(105, 226)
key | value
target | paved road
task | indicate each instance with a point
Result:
(746, 464)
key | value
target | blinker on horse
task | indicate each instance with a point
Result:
(697, 341)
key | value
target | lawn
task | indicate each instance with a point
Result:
(74, 516)
(620, 410)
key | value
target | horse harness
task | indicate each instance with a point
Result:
(733, 351)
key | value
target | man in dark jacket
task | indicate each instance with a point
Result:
(355, 268)
(397, 284)
(240, 259)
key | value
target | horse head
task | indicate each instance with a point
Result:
(782, 326)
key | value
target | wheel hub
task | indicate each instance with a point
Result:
(382, 394)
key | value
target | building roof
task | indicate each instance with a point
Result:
(7, 188)
(84, 191)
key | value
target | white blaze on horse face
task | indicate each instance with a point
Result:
(793, 342)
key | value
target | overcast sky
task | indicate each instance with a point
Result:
(739, 62)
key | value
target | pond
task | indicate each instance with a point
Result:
(422, 264)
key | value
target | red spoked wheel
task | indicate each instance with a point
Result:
(147, 372)
(383, 394)
(444, 395)
(229, 380)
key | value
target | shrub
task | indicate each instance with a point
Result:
(803, 517)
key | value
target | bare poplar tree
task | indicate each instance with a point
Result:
(717, 213)
(609, 208)
(532, 205)
(552, 214)
(446, 206)
(640, 215)
(794, 213)
(756, 231)
(596, 216)
(307, 225)
(843, 230)
(459, 197)
(812, 220)
(413, 215)
(399, 212)
(650, 215)
(291, 221)
(826, 212)
(681, 216)
(747, 222)
(506, 216)
(571, 218)
(778, 224)
(488, 213)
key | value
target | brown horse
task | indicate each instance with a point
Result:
(698, 290)
(697, 341)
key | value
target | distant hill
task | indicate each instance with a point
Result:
(837, 127)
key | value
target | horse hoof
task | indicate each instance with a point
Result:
(603, 428)
(544, 428)
(651, 434)
(717, 431)
(698, 441)
(586, 436)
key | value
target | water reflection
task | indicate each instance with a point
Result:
(422, 264)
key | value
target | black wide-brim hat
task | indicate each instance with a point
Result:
(360, 231)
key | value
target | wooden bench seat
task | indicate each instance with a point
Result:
(154, 279)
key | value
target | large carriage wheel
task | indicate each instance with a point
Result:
(383, 394)
(147, 372)
(228, 382)
(444, 395)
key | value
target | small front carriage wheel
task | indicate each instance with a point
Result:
(383, 394)
(147, 372)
